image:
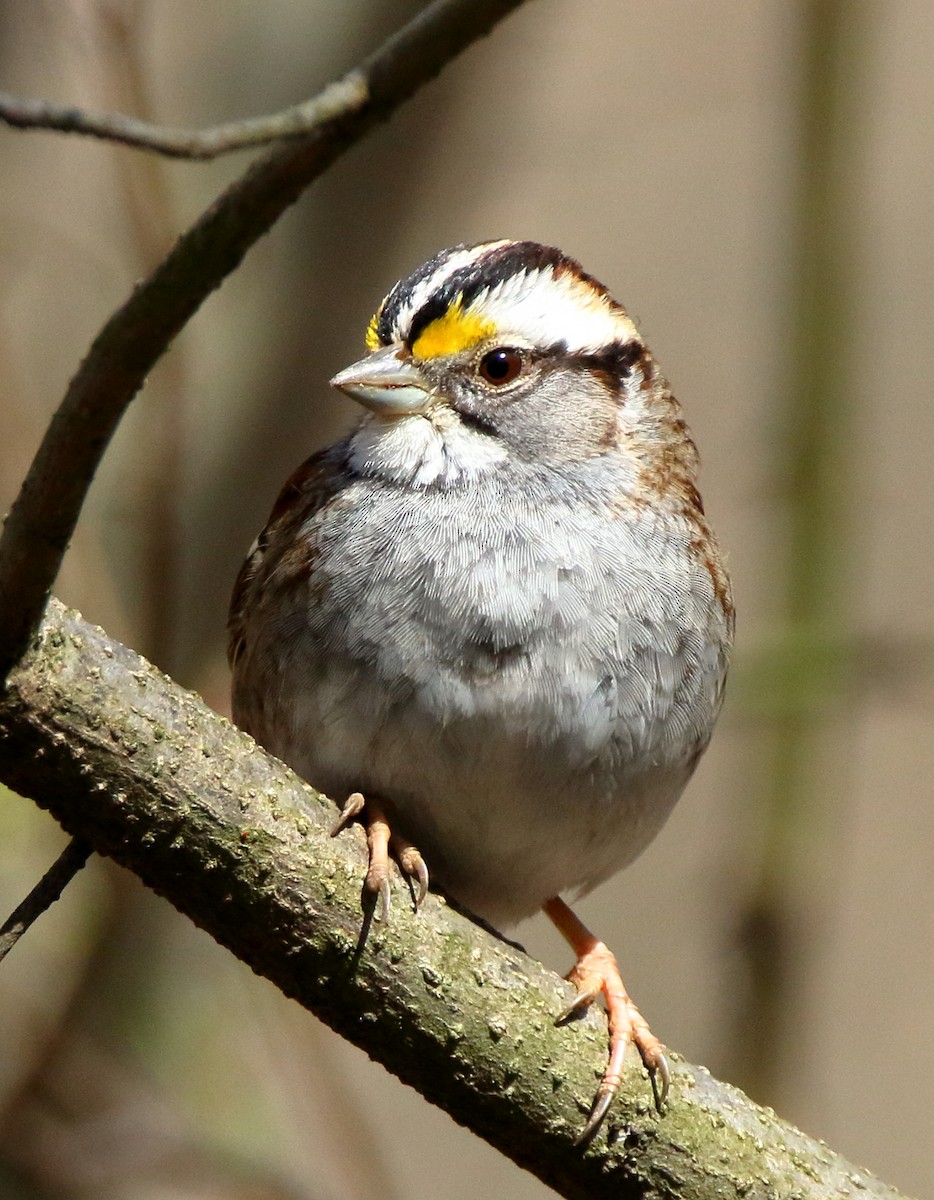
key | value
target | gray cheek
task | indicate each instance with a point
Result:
(566, 417)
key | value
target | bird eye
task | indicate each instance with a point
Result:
(501, 366)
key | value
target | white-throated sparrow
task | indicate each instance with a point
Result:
(496, 609)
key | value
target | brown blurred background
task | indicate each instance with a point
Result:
(754, 181)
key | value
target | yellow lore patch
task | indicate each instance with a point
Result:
(372, 337)
(457, 330)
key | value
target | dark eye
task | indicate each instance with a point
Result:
(501, 366)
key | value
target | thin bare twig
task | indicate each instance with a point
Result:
(44, 514)
(44, 894)
(338, 98)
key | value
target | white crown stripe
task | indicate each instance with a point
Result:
(535, 306)
(542, 309)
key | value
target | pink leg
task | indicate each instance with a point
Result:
(596, 972)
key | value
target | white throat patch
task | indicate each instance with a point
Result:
(423, 450)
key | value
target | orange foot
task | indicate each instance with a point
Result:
(596, 972)
(380, 840)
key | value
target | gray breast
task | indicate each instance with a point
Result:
(527, 684)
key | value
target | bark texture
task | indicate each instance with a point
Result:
(145, 772)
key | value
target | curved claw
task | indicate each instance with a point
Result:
(660, 1072)
(421, 874)
(659, 1077)
(385, 900)
(413, 867)
(353, 807)
(598, 1111)
(581, 1002)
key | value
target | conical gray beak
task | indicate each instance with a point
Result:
(386, 383)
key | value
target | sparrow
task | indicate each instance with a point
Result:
(492, 622)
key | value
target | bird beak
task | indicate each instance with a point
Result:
(386, 383)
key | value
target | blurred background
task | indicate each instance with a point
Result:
(754, 181)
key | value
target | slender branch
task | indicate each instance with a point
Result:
(335, 101)
(44, 894)
(44, 515)
(148, 774)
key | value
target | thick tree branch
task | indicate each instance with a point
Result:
(42, 519)
(20, 112)
(142, 770)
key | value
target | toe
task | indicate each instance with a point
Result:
(413, 867)
(378, 872)
(380, 840)
(353, 807)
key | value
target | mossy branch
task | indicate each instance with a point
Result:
(142, 770)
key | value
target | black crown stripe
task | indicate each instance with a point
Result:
(497, 265)
(401, 292)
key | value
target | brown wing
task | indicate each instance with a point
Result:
(236, 619)
(309, 489)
